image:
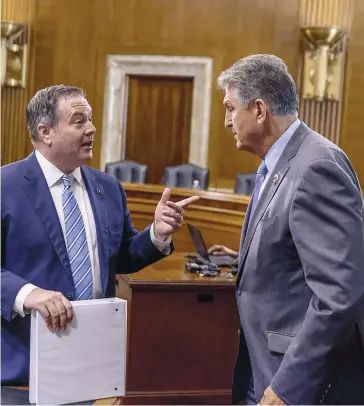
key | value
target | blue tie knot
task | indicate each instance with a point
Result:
(262, 170)
(67, 180)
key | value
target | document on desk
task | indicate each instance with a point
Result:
(87, 361)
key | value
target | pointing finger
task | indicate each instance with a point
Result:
(188, 201)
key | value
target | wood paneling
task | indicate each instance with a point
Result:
(158, 122)
(245, 28)
(15, 139)
(352, 138)
(219, 216)
(74, 37)
(182, 335)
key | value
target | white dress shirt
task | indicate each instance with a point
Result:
(53, 178)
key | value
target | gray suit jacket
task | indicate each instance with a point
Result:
(300, 287)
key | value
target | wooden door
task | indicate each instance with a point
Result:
(158, 122)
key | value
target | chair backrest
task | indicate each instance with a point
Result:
(244, 183)
(186, 176)
(127, 171)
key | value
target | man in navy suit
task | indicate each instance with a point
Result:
(300, 286)
(66, 229)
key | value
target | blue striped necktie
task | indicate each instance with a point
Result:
(259, 179)
(77, 248)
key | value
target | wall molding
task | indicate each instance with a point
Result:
(120, 67)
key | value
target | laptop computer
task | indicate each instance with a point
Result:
(200, 246)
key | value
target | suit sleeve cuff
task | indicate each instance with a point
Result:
(18, 307)
(162, 246)
(277, 392)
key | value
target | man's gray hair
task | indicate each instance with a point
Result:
(43, 107)
(263, 77)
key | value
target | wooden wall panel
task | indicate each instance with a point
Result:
(265, 27)
(15, 139)
(74, 37)
(352, 135)
(158, 122)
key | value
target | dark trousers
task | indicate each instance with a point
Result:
(250, 398)
(14, 396)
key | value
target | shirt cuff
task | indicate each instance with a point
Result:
(18, 307)
(162, 246)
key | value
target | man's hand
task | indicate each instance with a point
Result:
(222, 250)
(169, 216)
(55, 309)
(270, 398)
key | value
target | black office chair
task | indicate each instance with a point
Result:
(187, 176)
(127, 171)
(245, 183)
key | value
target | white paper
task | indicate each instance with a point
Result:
(87, 361)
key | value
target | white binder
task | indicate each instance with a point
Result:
(85, 362)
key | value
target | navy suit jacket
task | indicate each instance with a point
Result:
(33, 249)
(300, 287)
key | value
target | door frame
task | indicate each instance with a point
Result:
(120, 67)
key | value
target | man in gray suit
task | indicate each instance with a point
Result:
(300, 286)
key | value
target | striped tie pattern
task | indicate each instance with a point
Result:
(259, 179)
(77, 248)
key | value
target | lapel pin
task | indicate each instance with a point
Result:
(275, 179)
(99, 191)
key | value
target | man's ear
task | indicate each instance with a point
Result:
(44, 134)
(261, 110)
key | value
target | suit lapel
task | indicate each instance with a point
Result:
(246, 223)
(97, 200)
(270, 189)
(263, 202)
(36, 188)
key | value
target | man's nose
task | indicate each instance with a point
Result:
(91, 129)
(228, 122)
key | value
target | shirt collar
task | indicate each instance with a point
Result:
(52, 174)
(277, 148)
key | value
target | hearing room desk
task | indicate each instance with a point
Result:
(219, 216)
(182, 335)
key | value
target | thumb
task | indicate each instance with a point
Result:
(165, 196)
